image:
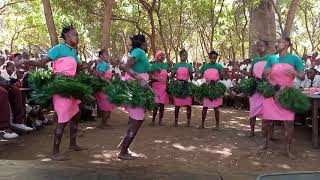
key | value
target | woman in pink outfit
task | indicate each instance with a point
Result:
(256, 100)
(136, 68)
(159, 85)
(65, 62)
(182, 72)
(211, 73)
(280, 70)
(104, 72)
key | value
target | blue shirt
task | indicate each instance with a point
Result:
(62, 50)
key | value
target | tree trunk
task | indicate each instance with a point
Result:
(262, 26)
(50, 23)
(105, 37)
(290, 17)
(163, 40)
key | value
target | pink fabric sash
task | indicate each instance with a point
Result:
(279, 75)
(66, 108)
(66, 66)
(258, 69)
(136, 113)
(256, 100)
(256, 105)
(212, 75)
(160, 88)
(182, 74)
(102, 98)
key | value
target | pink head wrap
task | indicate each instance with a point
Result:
(157, 55)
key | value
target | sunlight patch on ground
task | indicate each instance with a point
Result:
(227, 111)
(226, 152)
(241, 118)
(161, 141)
(284, 166)
(182, 148)
(45, 160)
(255, 163)
(90, 128)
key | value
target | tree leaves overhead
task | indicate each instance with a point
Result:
(196, 25)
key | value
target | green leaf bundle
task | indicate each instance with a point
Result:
(211, 91)
(265, 88)
(293, 100)
(180, 89)
(248, 86)
(39, 78)
(130, 93)
(96, 84)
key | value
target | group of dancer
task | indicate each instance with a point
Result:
(279, 69)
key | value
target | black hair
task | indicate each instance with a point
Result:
(182, 51)
(66, 29)
(137, 41)
(288, 39)
(213, 52)
(16, 54)
(312, 69)
(101, 52)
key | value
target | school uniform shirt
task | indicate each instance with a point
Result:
(306, 83)
(243, 66)
(228, 83)
(297, 83)
(317, 67)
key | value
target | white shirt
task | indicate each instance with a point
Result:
(307, 82)
(317, 67)
(243, 66)
(4, 74)
(228, 83)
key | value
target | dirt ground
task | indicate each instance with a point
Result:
(227, 152)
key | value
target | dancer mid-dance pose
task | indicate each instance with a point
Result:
(211, 73)
(136, 68)
(280, 70)
(104, 72)
(256, 100)
(182, 72)
(159, 86)
(65, 62)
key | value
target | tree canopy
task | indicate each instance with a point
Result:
(196, 25)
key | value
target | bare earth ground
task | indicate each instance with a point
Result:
(168, 152)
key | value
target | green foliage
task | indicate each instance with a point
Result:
(293, 100)
(180, 89)
(130, 93)
(248, 86)
(39, 78)
(210, 90)
(266, 89)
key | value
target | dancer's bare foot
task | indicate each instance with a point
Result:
(77, 148)
(160, 124)
(175, 125)
(59, 157)
(126, 156)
